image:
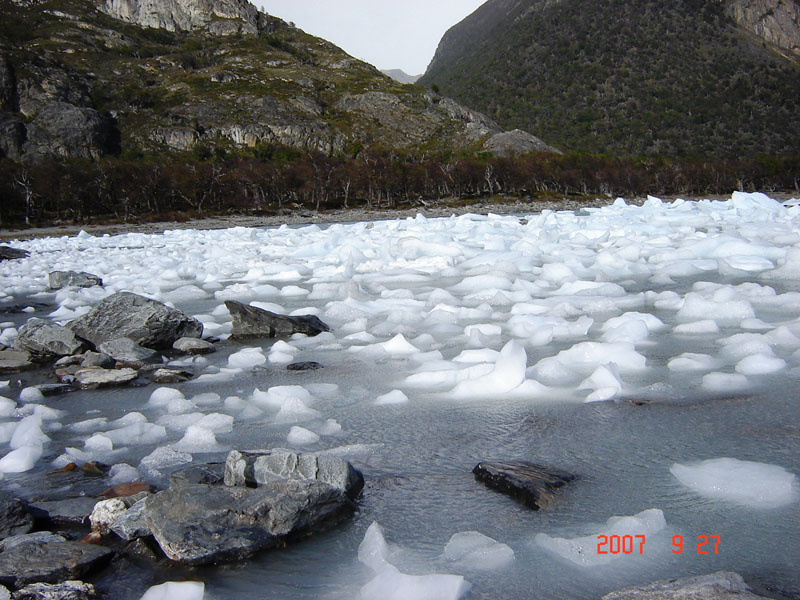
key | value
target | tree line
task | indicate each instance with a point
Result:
(272, 180)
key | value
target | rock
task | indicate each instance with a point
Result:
(514, 142)
(97, 359)
(105, 512)
(70, 361)
(24, 538)
(532, 485)
(249, 321)
(62, 279)
(52, 562)
(212, 474)
(47, 340)
(170, 376)
(54, 389)
(9, 253)
(201, 524)
(190, 345)
(127, 353)
(63, 130)
(71, 511)
(304, 366)
(258, 469)
(722, 585)
(14, 361)
(131, 524)
(15, 518)
(124, 490)
(146, 322)
(96, 378)
(68, 590)
(219, 17)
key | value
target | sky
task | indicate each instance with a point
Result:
(389, 34)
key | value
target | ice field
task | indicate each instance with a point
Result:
(653, 351)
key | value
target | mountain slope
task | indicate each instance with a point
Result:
(85, 79)
(672, 77)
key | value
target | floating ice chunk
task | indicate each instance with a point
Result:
(690, 361)
(582, 550)
(605, 381)
(162, 396)
(652, 322)
(330, 427)
(477, 356)
(744, 482)
(724, 382)
(162, 458)
(282, 353)
(277, 395)
(586, 356)
(300, 436)
(487, 329)
(294, 410)
(29, 433)
(7, 406)
(393, 397)
(132, 418)
(247, 358)
(703, 327)
(725, 312)
(136, 434)
(446, 377)
(184, 590)
(398, 346)
(20, 460)
(198, 439)
(98, 443)
(390, 584)
(508, 372)
(630, 331)
(552, 371)
(123, 473)
(759, 364)
(89, 425)
(474, 550)
(31, 394)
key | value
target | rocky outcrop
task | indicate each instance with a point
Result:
(221, 17)
(514, 142)
(249, 321)
(722, 585)
(147, 322)
(775, 21)
(532, 485)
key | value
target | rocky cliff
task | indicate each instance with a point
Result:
(81, 78)
(666, 77)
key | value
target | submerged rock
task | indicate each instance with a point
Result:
(531, 484)
(145, 321)
(51, 562)
(9, 253)
(201, 524)
(47, 340)
(249, 321)
(62, 279)
(722, 585)
(304, 366)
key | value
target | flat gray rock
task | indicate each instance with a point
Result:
(69, 590)
(52, 562)
(62, 279)
(71, 511)
(132, 524)
(145, 321)
(722, 585)
(193, 346)
(24, 538)
(531, 484)
(48, 340)
(97, 378)
(127, 353)
(249, 321)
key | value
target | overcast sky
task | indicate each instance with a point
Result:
(390, 34)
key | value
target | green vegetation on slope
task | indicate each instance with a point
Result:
(668, 77)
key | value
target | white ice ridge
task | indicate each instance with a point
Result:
(744, 482)
(584, 551)
(390, 584)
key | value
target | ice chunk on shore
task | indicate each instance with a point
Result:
(582, 550)
(474, 550)
(20, 460)
(390, 584)
(745, 482)
(508, 373)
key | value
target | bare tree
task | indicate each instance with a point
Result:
(24, 181)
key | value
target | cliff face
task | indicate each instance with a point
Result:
(81, 79)
(669, 77)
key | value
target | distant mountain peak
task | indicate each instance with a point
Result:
(400, 75)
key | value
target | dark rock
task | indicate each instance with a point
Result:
(211, 474)
(304, 366)
(53, 562)
(97, 359)
(62, 279)
(96, 378)
(132, 524)
(9, 253)
(193, 346)
(71, 511)
(722, 585)
(69, 590)
(106, 513)
(14, 516)
(47, 340)
(249, 321)
(54, 389)
(22, 308)
(256, 469)
(127, 353)
(170, 376)
(147, 322)
(532, 485)
(63, 130)
(24, 538)
(201, 524)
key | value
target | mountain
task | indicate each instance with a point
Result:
(669, 77)
(89, 78)
(400, 75)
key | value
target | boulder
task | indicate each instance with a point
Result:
(189, 345)
(14, 516)
(145, 321)
(531, 484)
(249, 321)
(9, 253)
(722, 585)
(47, 340)
(131, 523)
(14, 361)
(96, 378)
(201, 524)
(127, 353)
(69, 590)
(50, 562)
(61, 279)
(97, 359)
(261, 468)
